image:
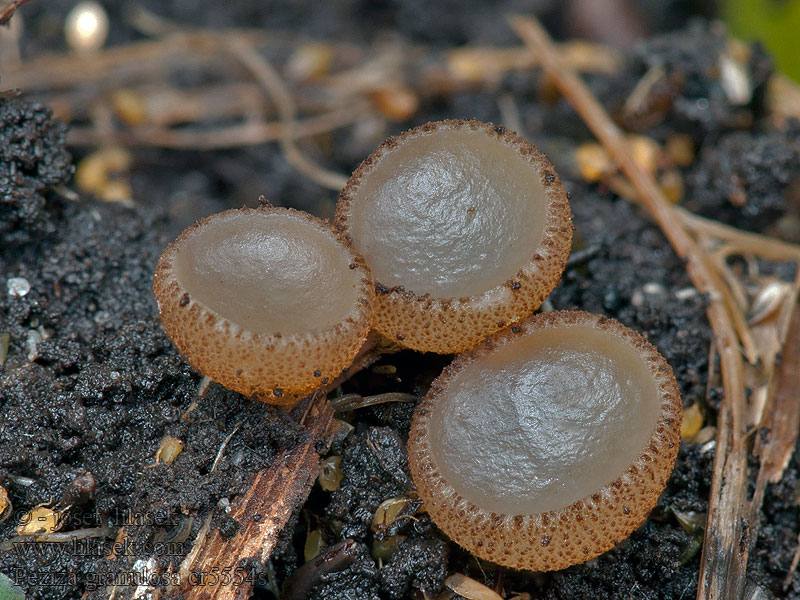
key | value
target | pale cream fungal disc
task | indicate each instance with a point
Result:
(549, 443)
(267, 301)
(465, 227)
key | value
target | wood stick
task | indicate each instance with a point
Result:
(279, 94)
(233, 136)
(261, 513)
(9, 9)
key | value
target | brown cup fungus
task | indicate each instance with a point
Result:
(465, 227)
(267, 301)
(549, 443)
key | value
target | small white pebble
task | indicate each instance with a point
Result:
(32, 344)
(18, 287)
(86, 27)
(145, 570)
(237, 458)
(708, 446)
(653, 288)
(637, 298)
(735, 81)
(685, 293)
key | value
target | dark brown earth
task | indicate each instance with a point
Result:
(91, 384)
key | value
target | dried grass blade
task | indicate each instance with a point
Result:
(782, 423)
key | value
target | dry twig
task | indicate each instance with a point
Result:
(783, 420)
(9, 9)
(261, 513)
(76, 85)
(249, 133)
(279, 94)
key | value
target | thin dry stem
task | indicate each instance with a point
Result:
(250, 133)
(738, 241)
(58, 537)
(9, 9)
(782, 419)
(123, 65)
(356, 401)
(269, 78)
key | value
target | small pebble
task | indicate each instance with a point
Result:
(653, 288)
(685, 293)
(86, 27)
(237, 458)
(18, 287)
(32, 344)
(224, 504)
(708, 446)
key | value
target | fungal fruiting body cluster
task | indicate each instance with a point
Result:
(548, 440)
(266, 301)
(465, 227)
(549, 443)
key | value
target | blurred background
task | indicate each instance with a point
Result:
(186, 104)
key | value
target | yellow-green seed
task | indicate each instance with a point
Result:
(169, 450)
(382, 549)
(330, 475)
(314, 544)
(388, 511)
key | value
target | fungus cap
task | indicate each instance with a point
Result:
(549, 443)
(465, 227)
(267, 301)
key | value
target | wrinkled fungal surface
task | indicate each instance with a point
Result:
(450, 214)
(465, 226)
(267, 272)
(265, 301)
(545, 421)
(549, 443)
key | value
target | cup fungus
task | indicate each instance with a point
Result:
(267, 301)
(465, 227)
(549, 443)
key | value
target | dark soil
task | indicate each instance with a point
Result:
(91, 385)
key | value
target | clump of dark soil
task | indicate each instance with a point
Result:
(690, 93)
(751, 181)
(32, 158)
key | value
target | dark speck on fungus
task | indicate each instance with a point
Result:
(451, 211)
(550, 445)
(265, 301)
